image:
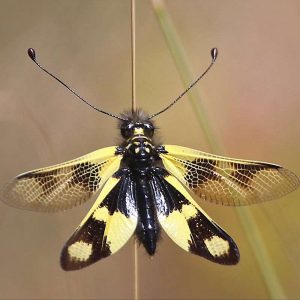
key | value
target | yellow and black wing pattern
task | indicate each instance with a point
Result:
(107, 227)
(188, 225)
(142, 185)
(62, 186)
(225, 180)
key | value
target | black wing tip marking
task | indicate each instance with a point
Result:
(232, 258)
(86, 246)
(68, 263)
(211, 242)
(206, 239)
(90, 242)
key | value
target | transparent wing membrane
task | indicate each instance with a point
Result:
(228, 181)
(62, 186)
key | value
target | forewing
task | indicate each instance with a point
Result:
(188, 225)
(106, 228)
(62, 186)
(228, 181)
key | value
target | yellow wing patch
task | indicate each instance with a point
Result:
(80, 251)
(176, 226)
(106, 228)
(191, 228)
(62, 186)
(217, 246)
(228, 181)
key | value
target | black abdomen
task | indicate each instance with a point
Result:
(147, 229)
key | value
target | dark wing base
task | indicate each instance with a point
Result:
(107, 227)
(188, 225)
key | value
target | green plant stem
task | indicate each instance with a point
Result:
(246, 217)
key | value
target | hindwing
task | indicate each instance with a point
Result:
(62, 186)
(225, 180)
(107, 227)
(188, 225)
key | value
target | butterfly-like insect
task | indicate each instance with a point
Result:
(145, 186)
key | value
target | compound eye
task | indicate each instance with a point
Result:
(127, 130)
(149, 129)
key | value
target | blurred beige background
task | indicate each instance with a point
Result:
(251, 97)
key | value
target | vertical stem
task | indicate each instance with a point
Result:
(246, 217)
(136, 270)
(133, 55)
(133, 108)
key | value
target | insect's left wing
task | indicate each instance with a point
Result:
(106, 228)
(225, 180)
(62, 186)
(188, 225)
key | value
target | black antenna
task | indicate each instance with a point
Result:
(214, 54)
(31, 53)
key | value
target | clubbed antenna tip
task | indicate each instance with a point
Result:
(31, 53)
(214, 54)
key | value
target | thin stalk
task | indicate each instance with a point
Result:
(246, 217)
(136, 271)
(133, 89)
(133, 108)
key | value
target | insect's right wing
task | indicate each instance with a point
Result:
(107, 227)
(225, 180)
(62, 186)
